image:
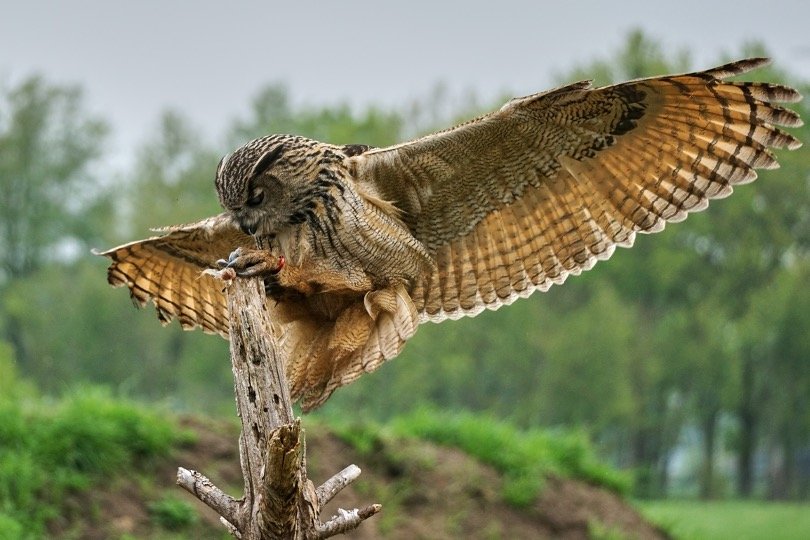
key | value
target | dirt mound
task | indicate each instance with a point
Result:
(427, 491)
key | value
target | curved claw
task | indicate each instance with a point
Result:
(232, 257)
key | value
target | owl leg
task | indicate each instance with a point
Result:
(365, 334)
(281, 281)
(351, 331)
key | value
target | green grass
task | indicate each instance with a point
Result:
(524, 457)
(51, 448)
(173, 514)
(737, 520)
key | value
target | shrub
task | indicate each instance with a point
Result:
(10, 528)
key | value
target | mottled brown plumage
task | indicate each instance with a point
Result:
(377, 241)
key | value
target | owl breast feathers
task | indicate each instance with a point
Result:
(376, 241)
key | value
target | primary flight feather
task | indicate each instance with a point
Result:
(360, 245)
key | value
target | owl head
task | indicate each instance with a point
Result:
(268, 184)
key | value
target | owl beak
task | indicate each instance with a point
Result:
(248, 229)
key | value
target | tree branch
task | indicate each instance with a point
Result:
(202, 488)
(346, 521)
(327, 491)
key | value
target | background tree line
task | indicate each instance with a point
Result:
(685, 358)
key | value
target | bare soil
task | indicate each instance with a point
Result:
(427, 491)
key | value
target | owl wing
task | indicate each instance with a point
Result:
(168, 270)
(551, 183)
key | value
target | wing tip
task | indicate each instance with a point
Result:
(738, 67)
(110, 253)
(784, 94)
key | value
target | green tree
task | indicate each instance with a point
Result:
(94, 334)
(49, 144)
(775, 332)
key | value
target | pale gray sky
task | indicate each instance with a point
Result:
(208, 58)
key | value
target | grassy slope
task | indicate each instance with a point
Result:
(737, 520)
(56, 454)
(523, 457)
(52, 449)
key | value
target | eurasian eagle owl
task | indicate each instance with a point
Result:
(360, 245)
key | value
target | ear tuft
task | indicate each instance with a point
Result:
(267, 160)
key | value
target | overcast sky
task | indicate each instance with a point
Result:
(208, 58)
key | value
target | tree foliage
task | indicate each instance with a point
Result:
(48, 145)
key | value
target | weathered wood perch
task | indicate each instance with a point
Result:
(279, 500)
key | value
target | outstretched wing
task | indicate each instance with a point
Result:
(168, 270)
(549, 184)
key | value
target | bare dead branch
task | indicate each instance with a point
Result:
(279, 501)
(202, 488)
(327, 491)
(346, 521)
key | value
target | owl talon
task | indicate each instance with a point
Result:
(253, 262)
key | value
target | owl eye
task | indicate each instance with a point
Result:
(256, 199)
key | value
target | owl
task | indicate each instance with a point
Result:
(358, 246)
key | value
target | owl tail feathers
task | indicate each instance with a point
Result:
(367, 333)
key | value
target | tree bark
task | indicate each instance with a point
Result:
(707, 481)
(650, 447)
(784, 480)
(14, 334)
(279, 500)
(747, 416)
